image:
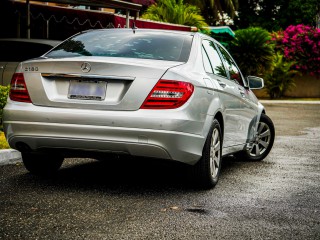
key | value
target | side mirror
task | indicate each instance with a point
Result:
(255, 82)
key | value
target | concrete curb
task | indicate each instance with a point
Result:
(288, 102)
(10, 156)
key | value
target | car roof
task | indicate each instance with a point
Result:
(52, 43)
(144, 30)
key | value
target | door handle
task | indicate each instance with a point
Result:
(222, 84)
(242, 92)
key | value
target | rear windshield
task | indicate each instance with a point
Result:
(141, 44)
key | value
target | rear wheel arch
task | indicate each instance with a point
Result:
(209, 121)
(207, 170)
(219, 118)
(262, 142)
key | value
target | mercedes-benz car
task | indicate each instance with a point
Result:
(170, 95)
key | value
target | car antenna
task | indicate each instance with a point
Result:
(134, 24)
(134, 27)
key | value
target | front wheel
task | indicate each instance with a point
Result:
(41, 164)
(207, 170)
(262, 142)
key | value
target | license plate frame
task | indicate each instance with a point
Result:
(87, 90)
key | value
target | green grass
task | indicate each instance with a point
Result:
(3, 141)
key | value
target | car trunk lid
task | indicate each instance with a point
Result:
(93, 82)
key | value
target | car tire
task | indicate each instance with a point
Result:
(41, 164)
(263, 142)
(207, 169)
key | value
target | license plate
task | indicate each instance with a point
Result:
(85, 90)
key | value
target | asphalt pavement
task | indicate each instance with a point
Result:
(135, 198)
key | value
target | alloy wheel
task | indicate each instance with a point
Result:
(215, 153)
(262, 140)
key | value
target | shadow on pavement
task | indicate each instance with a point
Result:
(127, 175)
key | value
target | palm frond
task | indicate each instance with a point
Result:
(175, 11)
(252, 51)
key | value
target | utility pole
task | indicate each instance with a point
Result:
(127, 18)
(28, 18)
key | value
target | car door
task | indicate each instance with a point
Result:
(228, 92)
(8, 64)
(3, 60)
(8, 69)
(248, 109)
(2, 66)
(12, 52)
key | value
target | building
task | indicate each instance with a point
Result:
(60, 19)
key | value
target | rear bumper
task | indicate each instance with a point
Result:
(139, 133)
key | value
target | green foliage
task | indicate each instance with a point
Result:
(281, 78)
(175, 11)
(223, 38)
(276, 14)
(4, 91)
(296, 12)
(3, 142)
(211, 9)
(252, 51)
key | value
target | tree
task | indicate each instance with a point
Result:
(252, 51)
(296, 12)
(257, 13)
(175, 11)
(274, 15)
(211, 9)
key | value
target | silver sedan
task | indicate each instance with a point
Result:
(160, 94)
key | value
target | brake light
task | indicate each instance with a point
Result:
(168, 94)
(18, 89)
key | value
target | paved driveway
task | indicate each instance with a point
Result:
(143, 199)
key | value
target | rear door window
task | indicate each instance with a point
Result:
(206, 62)
(234, 72)
(215, 60)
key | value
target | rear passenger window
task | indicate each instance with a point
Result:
(215, 60)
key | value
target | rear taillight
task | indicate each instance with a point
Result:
(18, 89)
(168, 94)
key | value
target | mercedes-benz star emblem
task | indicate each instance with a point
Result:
(85, 67)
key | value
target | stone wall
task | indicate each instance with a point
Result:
(306, 87)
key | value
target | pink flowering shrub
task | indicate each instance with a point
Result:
(300, 44)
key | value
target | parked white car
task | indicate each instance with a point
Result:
(162, 94)
(15, 50)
